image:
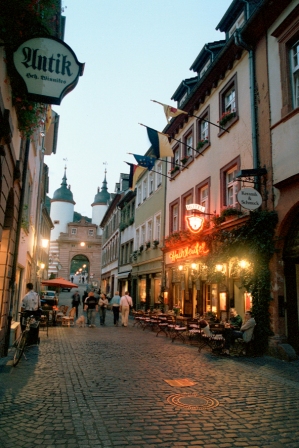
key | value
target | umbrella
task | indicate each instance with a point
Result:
(60, 282)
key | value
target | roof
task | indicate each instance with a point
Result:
(103, 196)
(64, 192)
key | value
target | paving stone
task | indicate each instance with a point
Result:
(106, 388)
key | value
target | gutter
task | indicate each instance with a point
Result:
(240, 43)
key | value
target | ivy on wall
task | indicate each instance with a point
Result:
(21, 20)
(253, 241)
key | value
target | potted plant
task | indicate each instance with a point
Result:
(174, 170)
(155, 243)
(226, 117)
(184, 160)
(147, 245)
(202, 143)
(176, 309)
(141, 248)
(230, 213)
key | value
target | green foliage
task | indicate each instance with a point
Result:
(253, 241)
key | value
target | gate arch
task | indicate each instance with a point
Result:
(79, 269)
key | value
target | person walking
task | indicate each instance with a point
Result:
(91, 306)
(125, 303)
(76, 301)
(103, 302)
(31, 307)
(115, 302)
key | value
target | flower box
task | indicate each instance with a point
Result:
(184, 160)
(174, 170)
(202, 143)
(226, 117)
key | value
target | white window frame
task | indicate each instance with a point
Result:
(157, 229)
(150, 183)
(295, 73)
(230, 100)
(189, 145)
(204, 196)
(238, 24)
(175, 218)
(74, 231)
(144, 190)
(138, 195)
(90, 232)
(158, 174)
(137, 239)
(204, 129)
(149, 230)
(142, 234)
(231, 187)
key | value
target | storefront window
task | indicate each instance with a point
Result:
(211, 298)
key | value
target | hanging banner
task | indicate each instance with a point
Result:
(249, 198)
(48, 67)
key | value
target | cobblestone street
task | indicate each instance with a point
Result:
(105, 387)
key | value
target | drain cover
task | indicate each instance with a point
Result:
(193, 402)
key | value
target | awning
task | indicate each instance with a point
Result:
(124, 274)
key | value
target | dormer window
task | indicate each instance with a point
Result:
(182, 99)
(238, 24)
(205, 68)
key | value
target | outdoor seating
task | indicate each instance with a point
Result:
(68, 321)
(180, 330)
(44, 322)
(213, 338)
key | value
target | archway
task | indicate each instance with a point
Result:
(79, 270)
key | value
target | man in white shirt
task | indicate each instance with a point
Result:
(125, 303)
(30, 307)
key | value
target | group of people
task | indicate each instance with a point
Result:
(236, 329)
(93, 304)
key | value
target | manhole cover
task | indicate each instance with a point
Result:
(193, 402)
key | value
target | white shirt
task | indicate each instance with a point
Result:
(31, 301)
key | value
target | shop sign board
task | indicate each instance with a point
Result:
(194, 222)
(249, 198)
(193, 250)
(48, 67)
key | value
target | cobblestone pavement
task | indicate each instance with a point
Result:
(105, 387)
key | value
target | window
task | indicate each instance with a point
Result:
(295, 73)
(144, 189)
(287, 35)
(203, 193)
(187, 199)
(203, 131)
(151, 183)
(139, 195)
(149, 231)
(238, 24)
(137, 239)
(175, 161)
(74, 231)
(158, 174)
(229, 185)
(142, 235)
(231, 188)
(174, 217)
(157, 235)
(228, 104)
(90, 232)
(188, 144)
(205, 68)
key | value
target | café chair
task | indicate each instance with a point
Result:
(68, 321)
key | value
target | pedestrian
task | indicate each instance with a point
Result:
(72, 278)
(31, 307)
(76, 301)
(103, 302)
(125, 303)
(91, 306)
(83, 279)
(115, 302)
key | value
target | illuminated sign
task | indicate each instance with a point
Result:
(48, 67)
(196, 249)
(195, 222)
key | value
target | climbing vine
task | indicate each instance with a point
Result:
(254, 241)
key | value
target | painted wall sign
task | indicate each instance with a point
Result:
(196, 249)
(48, 67)
(249, 198)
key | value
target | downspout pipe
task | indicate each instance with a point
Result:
(240, 43)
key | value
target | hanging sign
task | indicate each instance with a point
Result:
(194, 250)
(249, 198)
(48, 67)
(194, 222)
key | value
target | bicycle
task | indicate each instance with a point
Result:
(21, 341)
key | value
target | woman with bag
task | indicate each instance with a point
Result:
(103, 302)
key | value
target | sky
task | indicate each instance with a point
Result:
(134, 51)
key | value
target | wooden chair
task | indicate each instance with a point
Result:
(68, 321)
